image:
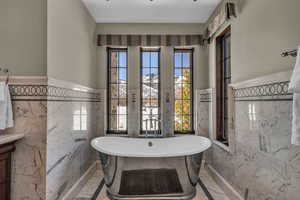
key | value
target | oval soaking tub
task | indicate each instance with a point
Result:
(151, 168)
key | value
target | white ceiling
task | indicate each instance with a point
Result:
(146, 11)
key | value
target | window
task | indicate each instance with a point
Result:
(183, 90)
(117, 91)
(150, 90)
(80, 119)
(223, 78)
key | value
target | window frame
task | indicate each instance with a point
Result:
(221, 102)
(191, 50)
(145, 49)
(109, 131)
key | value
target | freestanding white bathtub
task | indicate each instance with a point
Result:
(182, 154)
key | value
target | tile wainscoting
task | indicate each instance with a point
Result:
(54, 153)
(264, 164)
(203, 104)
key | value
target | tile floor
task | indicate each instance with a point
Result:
(91, 186)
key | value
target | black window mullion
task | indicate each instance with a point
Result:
(183, 116)
(118, 83)
(223, 46)
(151, 85)
(182, 89)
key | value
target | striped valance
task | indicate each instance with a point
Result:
(149, 40)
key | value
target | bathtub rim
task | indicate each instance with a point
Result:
(206, 144)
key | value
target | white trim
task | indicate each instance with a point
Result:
(75, 189)
(205, 91)
(263, 80)
(8, 138)
(221, 145)
(70, 85)
(225, 186)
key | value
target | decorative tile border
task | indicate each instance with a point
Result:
(28, 90)
(47, 90)
(272, 87)
(267, 92)
(51, 93)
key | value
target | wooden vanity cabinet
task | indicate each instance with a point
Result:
(5, 170)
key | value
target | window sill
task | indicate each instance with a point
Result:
(110, 132)
(115, 135)
(184, 133)
(222, 146)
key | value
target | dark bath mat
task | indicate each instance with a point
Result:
(150, 182)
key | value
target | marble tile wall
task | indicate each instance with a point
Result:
(30, 117)
(264, 165)
(53, 154)
(134, 112)
(72, 122)
(203, 115)
(69, 153)
(203, 112)
(29, 159)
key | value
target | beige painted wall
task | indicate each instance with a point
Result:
(263, 30)
(138, 28)
(71, 42)
(23, 36)
(201, 68)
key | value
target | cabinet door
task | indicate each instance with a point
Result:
(4, 192)
(5, 164)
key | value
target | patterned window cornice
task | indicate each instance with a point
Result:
(149, 40)
(276, 91)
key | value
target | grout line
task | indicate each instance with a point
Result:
(98, 191)
(205, 190)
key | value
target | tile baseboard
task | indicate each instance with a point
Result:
(75, 189)
(225, 186)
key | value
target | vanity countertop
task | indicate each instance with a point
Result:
(7, 138)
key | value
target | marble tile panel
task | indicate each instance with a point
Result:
(29, 159)
(264, 157)
(53, 154)
(72, 125)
